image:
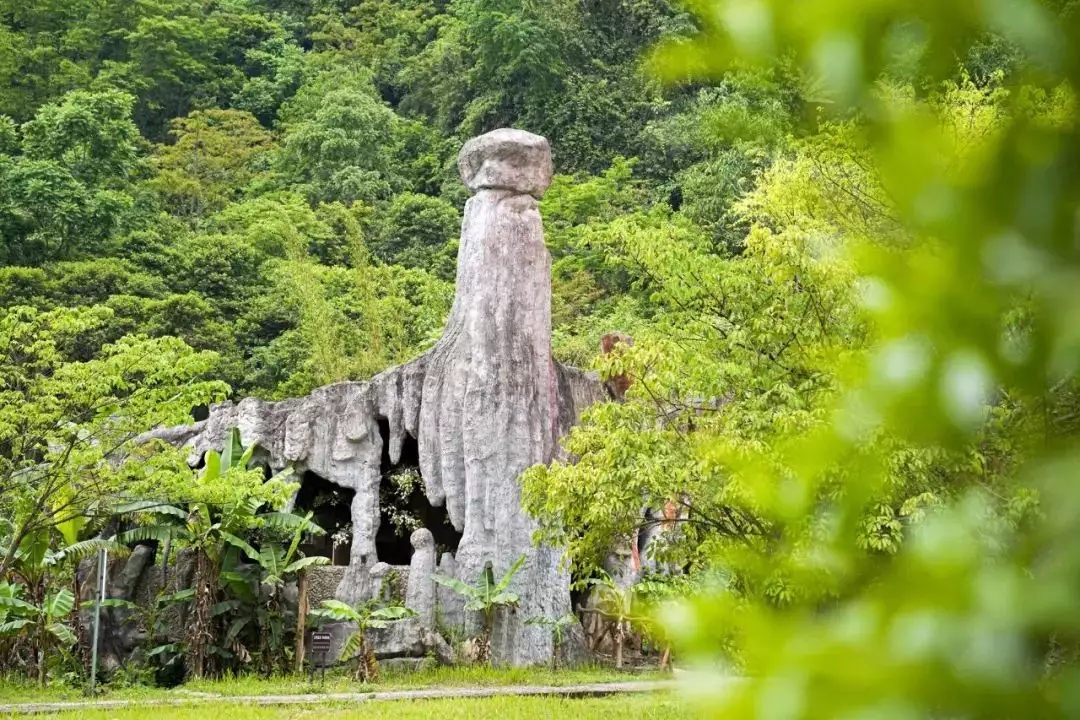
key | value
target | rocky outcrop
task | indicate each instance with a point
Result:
(487, 402)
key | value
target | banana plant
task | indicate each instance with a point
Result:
(366, 616)
(558, 628)
(485, 596)
(277, 564)
(37, 611)
(616, 605)
(42, 623)
(211, 532)
(154, 618)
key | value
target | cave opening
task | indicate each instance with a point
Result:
(404, 507)
(331, 506)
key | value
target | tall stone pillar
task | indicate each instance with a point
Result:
(489, 407)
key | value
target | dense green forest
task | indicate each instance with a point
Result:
(276, 182)
(842, 236)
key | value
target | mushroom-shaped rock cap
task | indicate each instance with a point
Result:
(422, 538)
(507, 159)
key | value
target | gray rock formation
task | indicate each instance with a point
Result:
(487, 402)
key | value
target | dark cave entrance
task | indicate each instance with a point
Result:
(404, 507)
(332, 508)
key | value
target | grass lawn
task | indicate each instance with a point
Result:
(336, 682)
(635, 707)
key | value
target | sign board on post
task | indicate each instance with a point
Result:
(321, 642)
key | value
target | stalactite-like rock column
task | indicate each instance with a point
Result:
(489, 407)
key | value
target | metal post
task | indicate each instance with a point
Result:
(97, 619)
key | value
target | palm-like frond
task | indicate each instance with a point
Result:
(271, 558)
(152, 506)
(14, 603)
(508, 576)
(143, 533)
(337, 610)
(240, 544)
(391, 613)
(62, 633)
(461, 588)
(77, 551)
(14, 627)
(352, 645)
(291, 521)
(304, 563)
(60, 604)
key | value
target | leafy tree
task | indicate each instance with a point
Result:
(279, 563)
(416, 231)
(366, 616)
(91, 134)
(215, 155)
(486, 597)
(334, 145)
(70, 430)
(962, 359)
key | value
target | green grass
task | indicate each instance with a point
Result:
(336, 682)
(635, 707)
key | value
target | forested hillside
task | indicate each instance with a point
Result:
(275, 181)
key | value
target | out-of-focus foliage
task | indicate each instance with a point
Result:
(908, 459)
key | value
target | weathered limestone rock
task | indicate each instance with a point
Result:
(420, 591)
(449, 603)
(487, 402)
(507, 159)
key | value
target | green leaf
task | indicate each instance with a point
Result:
(337, 610)
(14, 603)
(304, 563)
(352, 645)
(291, 521)
(86, 548)
(225, 606)
(241, 545)
(153, 506)
(62, 633)
(14, 627)
(231, 453)
(60, 604)
(508, 577)
(160, 649)
(143, 533)
(393, 612)
(212, 467)
(33, 549)
(456, 585)
(270, 557)
(236, 627)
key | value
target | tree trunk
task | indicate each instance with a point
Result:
(13, 547)
(165, 563)
(619, 639)
(43, 651)
(82, 647)
(483, 646)
(301, 617)
(200, 632)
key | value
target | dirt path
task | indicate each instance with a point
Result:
(588, 690)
